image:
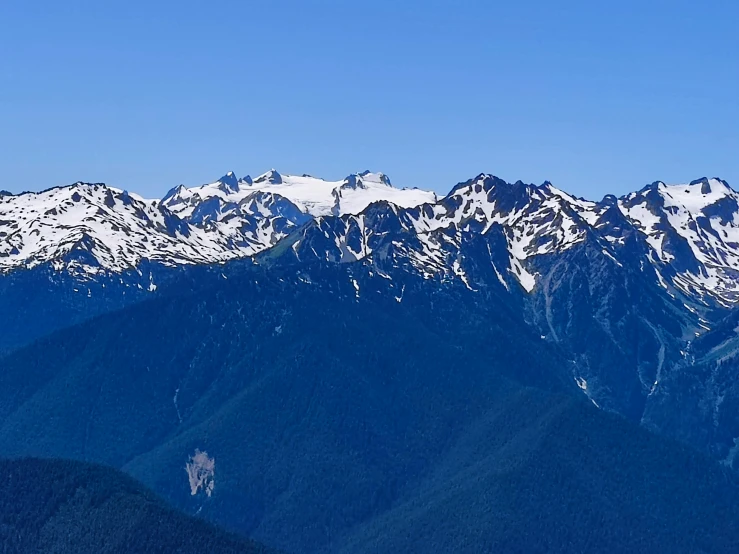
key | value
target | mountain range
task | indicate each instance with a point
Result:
(381, 369)
(689, 231)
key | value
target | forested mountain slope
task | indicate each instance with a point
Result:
(331, 408)
(71, 507)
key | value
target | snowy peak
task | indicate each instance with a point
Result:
(379, 178)
(365, 179)
(688, 233)
(86, 228)
(696, 196)
(686, 236)
(272, 177)
(539, 219)
(693, 230)
(184, 201)
(314, 196)
(255, 214)
(533, 220)
(358, 190)
(174, 194)
(693, 197)
(229, 183)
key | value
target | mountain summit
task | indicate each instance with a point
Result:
(688, 233)
(351, 347)
(313, 196)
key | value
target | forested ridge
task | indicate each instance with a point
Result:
(62, 506)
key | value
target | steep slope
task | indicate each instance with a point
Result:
(38, 301)
(693, 230)
(553, 475)
(319, 403)
(577, 269)
(683, 236)
(70, 253)
(87, 229)
(91, 228)
(613, 319)
(698, 401)
(534, 219)
(63, 506)
(619, 286)
(329, 408)
(688, 232)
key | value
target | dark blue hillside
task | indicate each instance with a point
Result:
(38, 301)
(543, 474)
(71, 507)
(329, 412)
(298, 390)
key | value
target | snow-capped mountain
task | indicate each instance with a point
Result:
(310, 195)
(535, 220)
(588, 273)
(623, 286)
(86, 228)
(693, 230)
(685, 236)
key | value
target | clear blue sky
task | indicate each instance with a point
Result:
(595, 96)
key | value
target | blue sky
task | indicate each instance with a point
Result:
(595, 96)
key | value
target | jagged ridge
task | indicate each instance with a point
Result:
(690, 233)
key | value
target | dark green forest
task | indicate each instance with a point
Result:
(61, 506)
(352, 425)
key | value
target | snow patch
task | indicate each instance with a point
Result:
(200, 470)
